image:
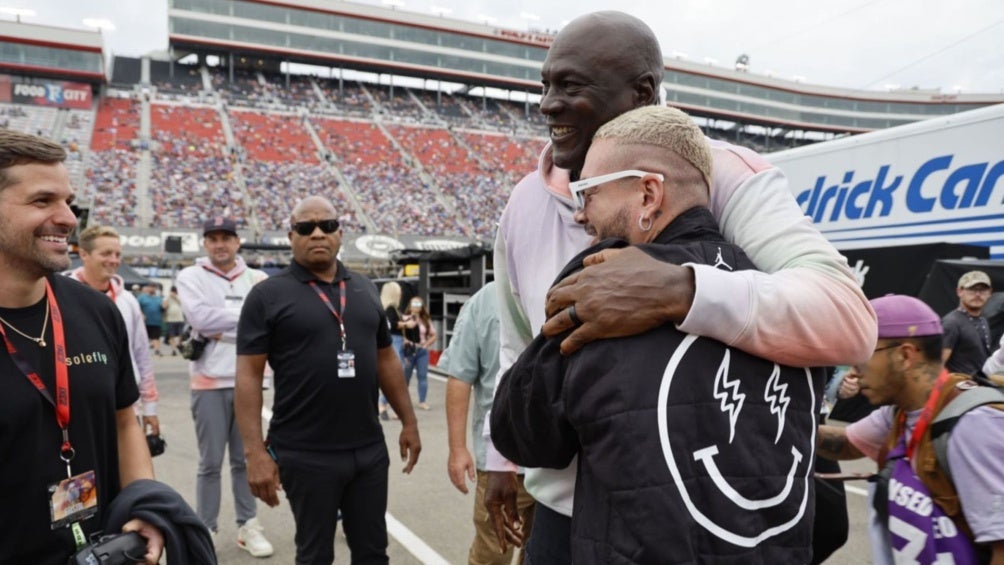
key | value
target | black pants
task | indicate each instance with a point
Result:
(830, 527)
(550, 540)
(319, 484)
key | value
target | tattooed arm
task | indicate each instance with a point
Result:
(832, 443)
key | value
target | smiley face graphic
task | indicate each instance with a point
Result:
(739, 446)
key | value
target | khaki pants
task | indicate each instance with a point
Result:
(485, 549)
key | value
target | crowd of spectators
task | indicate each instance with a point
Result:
(445, 107)
(398, 201)
(299, 94)
(505, 161)
(276, 186)
(348, 97)
(192, 176)
(244, 90)
(396, 104)
(186, 189)
(75, 136)
(111, 178)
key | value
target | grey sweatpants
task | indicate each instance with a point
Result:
(215, 426)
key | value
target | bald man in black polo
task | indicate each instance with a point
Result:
(323, 331)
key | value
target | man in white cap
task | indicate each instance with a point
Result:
(927, 515)
(966, 342)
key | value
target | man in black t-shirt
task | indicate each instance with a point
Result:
(69, 438)
(323, 331)
(966, 341)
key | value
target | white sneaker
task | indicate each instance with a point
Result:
(252, 540)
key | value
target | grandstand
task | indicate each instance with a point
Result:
(418, 151)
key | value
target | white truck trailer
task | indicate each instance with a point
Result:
(938, 180)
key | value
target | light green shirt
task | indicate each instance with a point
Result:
(473, 357)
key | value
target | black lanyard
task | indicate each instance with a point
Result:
(331, 308)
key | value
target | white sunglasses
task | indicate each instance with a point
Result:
(580, 186)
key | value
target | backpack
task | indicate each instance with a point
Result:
(944, 422)
(192, 344)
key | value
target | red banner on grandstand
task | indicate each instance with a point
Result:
(4, 88)
(59, 94)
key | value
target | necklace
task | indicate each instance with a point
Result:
(40, 340)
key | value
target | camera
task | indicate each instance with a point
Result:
(156, 444)
(116, 549)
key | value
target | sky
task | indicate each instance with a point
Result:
(857, 44)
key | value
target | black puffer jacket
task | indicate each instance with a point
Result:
(689, 451)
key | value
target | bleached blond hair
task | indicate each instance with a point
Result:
(663, 127)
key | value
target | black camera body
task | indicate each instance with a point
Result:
(192, 344)
(156, 444)
(116, 549)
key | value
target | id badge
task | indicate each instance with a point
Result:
(346, 364)
(73, 500)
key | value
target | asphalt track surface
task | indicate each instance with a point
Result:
(429, 521)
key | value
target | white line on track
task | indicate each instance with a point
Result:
(411, 542)
(856, 490)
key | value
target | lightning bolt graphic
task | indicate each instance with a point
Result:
(778, 402)
(728, 393)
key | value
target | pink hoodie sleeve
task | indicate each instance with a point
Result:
(805, 308)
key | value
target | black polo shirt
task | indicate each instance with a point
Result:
(314, 409)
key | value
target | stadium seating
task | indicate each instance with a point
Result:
(111, 177)
(182, 79)
(348, 98)
(116, 124)
(272, 137)
(194, 172)
(276, 186)
(192, 176)
(37, 120)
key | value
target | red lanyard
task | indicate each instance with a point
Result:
(62, 400)
(925, 416)
(221, 274)
(331, 308)
(111, 288)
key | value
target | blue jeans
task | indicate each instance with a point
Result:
(420, 361)
(398, 343)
